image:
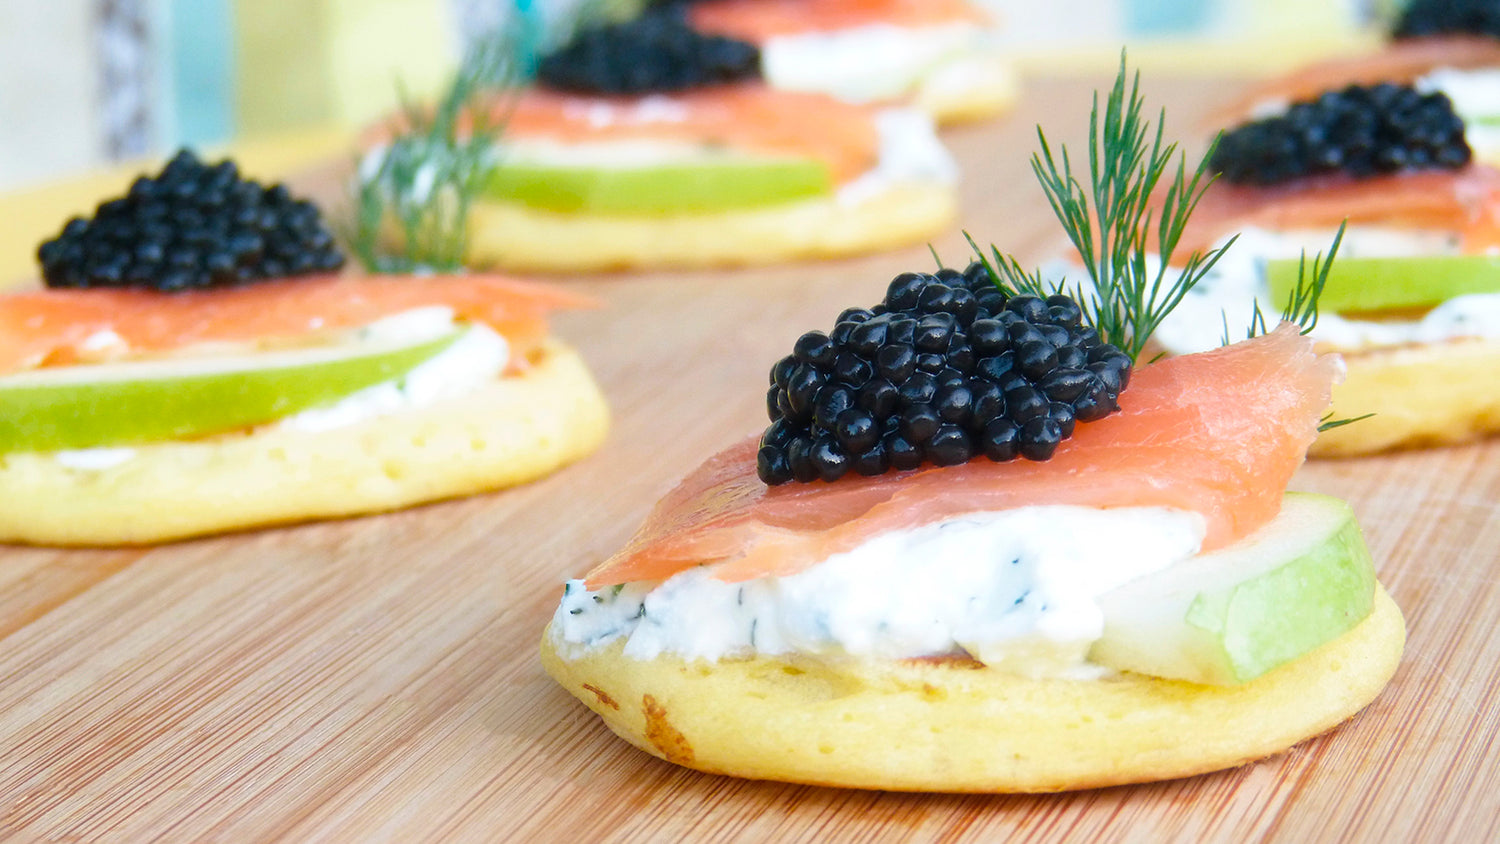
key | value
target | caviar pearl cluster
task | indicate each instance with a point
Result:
(944, 369)
(1443, 17)
(657, 51)
(1361, 131)
(193, 226)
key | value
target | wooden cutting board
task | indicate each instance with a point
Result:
(377, 679)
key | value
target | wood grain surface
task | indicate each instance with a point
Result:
(377, 679)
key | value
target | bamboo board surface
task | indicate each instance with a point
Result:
(377, 679)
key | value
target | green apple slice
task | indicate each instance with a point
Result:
(1381, 284)
(1231, 615)
(153, 401)
(710, 184)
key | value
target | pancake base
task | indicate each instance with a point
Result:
(518, 238)
(955, 728)
(973, 88)
(514, 430)
(1421, 395)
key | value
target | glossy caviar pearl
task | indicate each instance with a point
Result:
(815, 348)
(772, 465)
(799, 459)
(828, 459)
(919, 422)
(1039, 438)
(896, 363)
(880, 398)
(903, 453)
(950, 446)
(856, 430)
(1001, 440)
(873, 461)
(954, 404)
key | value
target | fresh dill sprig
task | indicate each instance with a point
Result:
(1111, 223)
(1329, 423)
(412, 199)
(936, 258)
(1301, 307)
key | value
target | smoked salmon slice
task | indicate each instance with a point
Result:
(745, 117)
(1465, 201)
(761, 20)
(55, 325)
(1219, 433)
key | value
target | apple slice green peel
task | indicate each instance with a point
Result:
(1231, 615)
(1358, 285)
(154, 401)
(710, 184)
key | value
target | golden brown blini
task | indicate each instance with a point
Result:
(513, 430)
(1421, 395)
(960, 727)
(986, 87)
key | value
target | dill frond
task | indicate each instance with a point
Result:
(1115, 224)
(412, 198)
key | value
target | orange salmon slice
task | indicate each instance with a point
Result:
(761, 20)
(1465, 201)
(1219, 433)
(53, 326)
(747, 117)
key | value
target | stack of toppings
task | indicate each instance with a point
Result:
(1444, 17)
(656, 52)
(194, 226)
(944, 369)
(1361, 131)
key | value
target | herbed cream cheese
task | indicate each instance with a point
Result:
(1015, 589)
(477, 357)
(1227, 293)
(867, 63)
(910, 151)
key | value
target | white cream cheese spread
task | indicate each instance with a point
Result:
(1015, 589)
(909, 152)
(94, 459)
(867, 63)
(1227, 294)
(476, 358)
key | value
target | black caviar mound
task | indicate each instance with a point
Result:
(657, 51)
(1362, 131)
(193, 226)
(945, 368)
(1449, 17)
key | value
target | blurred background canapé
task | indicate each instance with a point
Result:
(84, 83)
